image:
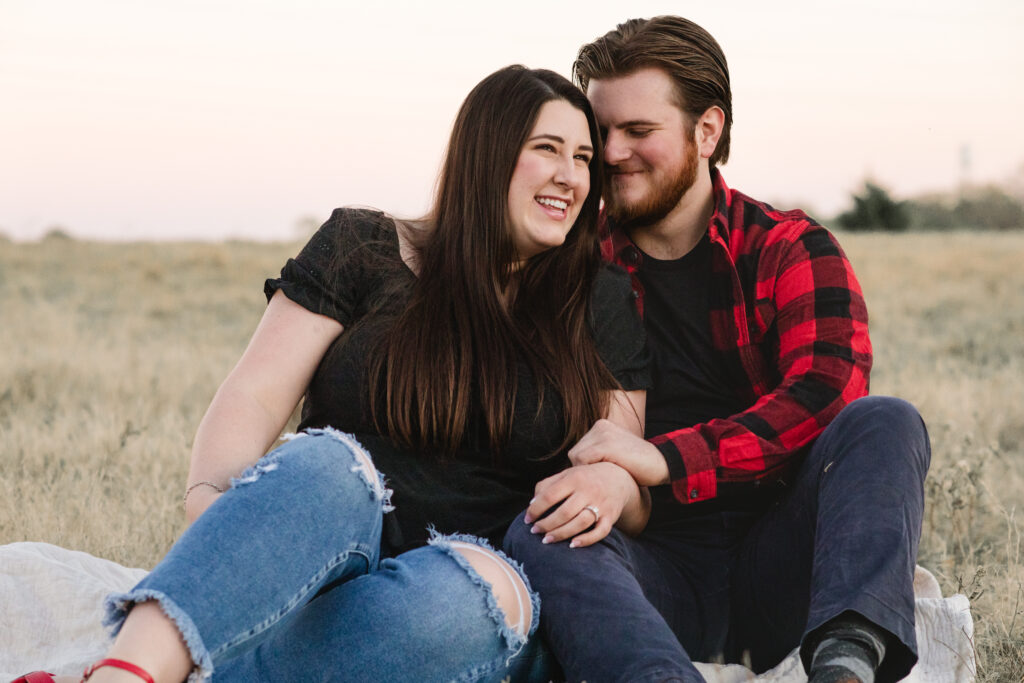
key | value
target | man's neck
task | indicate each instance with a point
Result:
(675, 235)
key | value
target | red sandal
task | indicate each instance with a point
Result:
(35, 677)
(43, 677)
(117, 664)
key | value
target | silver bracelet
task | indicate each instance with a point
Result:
(184, 498)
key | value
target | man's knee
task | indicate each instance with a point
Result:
(883, 427)
(889, 410)
(518, 539)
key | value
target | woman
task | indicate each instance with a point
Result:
(466, 353)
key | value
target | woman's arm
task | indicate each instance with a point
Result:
(254, 403)
(608, 487)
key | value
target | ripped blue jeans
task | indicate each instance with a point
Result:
(281, 580)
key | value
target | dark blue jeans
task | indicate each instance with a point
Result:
(747, 580)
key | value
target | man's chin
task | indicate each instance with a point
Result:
(622, 208)
(629, 214)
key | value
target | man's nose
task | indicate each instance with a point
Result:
(615, 148)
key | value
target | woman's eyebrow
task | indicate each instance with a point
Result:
(559, 139)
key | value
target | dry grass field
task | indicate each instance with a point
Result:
(110, 353)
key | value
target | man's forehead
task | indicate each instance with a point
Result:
(645, 96)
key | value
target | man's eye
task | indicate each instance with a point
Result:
(638, 132)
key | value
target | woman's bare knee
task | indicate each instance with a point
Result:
(508, 587)
(365, 464)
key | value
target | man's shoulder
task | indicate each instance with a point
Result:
(752, 228)
(748, 213)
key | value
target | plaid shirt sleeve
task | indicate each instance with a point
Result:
(795, 322)
(806, 353)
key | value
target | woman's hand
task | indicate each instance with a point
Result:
(602, 485)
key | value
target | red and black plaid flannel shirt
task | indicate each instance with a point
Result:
(788, 316)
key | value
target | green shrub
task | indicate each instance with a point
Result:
(874, 209)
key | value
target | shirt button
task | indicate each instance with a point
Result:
(631, 255)
(693, 494)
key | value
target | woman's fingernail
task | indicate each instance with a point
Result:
(535, 529)
(528, 519)
(573, 544)
(548, 539)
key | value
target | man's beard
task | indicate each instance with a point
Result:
(661, 198)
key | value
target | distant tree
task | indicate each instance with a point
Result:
(984, 207)
(933, 211)
(990, 207)
(874, 209)
(59, 233)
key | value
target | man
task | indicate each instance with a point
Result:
(786, 508)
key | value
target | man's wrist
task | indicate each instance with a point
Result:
(659, 472)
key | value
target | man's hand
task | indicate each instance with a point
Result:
(607, 442)
(603, 485)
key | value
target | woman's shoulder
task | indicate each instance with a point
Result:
(350, 237)
(611, 284)
(617, 328)
(359, 224)
(352, 256)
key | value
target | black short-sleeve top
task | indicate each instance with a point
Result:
(351, 271)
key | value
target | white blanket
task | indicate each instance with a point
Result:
(51, 598)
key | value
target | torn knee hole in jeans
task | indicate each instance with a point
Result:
(363, 466)
(522, 601)
(514, 628)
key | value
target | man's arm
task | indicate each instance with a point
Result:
(808, 294)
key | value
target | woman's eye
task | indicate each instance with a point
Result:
(585, 158)
(546, 147)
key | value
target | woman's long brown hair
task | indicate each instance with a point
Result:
(473, 314)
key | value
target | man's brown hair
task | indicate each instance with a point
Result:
(685, 51)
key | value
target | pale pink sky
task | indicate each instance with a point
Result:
(209, 119)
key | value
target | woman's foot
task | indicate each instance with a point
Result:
(149, 640)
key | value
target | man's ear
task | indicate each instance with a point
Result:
(708, 130)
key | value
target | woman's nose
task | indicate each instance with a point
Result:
(569, 173)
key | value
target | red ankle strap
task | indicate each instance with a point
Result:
(118, 664)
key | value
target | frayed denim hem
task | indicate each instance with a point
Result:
(514, 641)
(118, 605)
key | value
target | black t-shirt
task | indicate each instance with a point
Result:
(468, 493)
(689, 383)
